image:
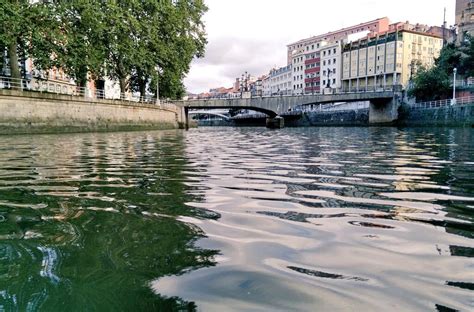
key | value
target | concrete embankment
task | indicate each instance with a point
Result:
(459, 115)
(33, 112)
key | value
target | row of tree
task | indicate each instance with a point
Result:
(435, 83)
(134, 42)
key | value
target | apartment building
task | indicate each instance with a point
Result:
(464, 18)
(281, 80)
(388, 58)
(375, 26)
(298, 70)
(312, 68)
(331, 65)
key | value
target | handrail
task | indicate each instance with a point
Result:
(67, 88)
(443, 103)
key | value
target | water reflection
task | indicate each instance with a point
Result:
(238, 219)
(87, 221)
(333, 218)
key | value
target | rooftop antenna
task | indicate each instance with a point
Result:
(444, 28)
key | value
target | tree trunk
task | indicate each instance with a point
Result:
(14, 67)
(142, 89)
(123, 86)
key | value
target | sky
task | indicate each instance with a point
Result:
(251, 35)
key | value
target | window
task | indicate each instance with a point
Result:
(334, 81)
(329, 62)
(334, 61)
(333, 70)
(334, 51)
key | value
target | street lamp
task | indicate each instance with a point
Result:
(455, 71)
(328, 85)
(157, 85)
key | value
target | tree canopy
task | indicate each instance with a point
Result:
(435, 83)
(134, 42)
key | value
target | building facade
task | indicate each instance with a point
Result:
(331, 65)
(464, 18)
(375, 26)
(298, 71)
(281, 80)
(389, 58)
(312, 68)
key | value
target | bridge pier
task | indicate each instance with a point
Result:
(186, 118)
(383, 111)
(276, 122)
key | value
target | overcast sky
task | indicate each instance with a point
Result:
(251, 35)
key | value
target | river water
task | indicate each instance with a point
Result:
(222, 219)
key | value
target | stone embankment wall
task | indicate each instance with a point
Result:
(459, 115)
(32, 112)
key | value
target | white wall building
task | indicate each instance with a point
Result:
(331, 65)
(298, 70)
(281, 80)
(266, 86)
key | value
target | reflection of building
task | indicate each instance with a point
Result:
(465, 18)
(388, 58)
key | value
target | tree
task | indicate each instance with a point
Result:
(430, 84)
(127, 41)
(30, 29)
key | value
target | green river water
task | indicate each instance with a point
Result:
(238, 219)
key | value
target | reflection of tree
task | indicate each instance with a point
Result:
(78, 258)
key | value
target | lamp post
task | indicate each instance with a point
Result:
(328, 85)
(455, 71)
(157, 86)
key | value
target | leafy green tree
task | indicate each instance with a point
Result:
(430, 84)
(29, 29)
(82, 53)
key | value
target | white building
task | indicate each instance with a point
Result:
(298, 70)
(331, 65)
(266, 86)
(281, 80)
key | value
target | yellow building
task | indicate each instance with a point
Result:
(387, 59)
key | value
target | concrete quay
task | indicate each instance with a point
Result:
(34, 112)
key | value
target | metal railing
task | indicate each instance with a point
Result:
(372, 89)
(443, 103)
(65, 88)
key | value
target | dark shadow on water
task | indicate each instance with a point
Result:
(326, 275)
(98, 241)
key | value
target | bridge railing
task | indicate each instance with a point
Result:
(63, 88)
(371, 89)
(443, 103)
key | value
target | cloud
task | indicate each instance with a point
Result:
(251, 35)
(227, 58)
